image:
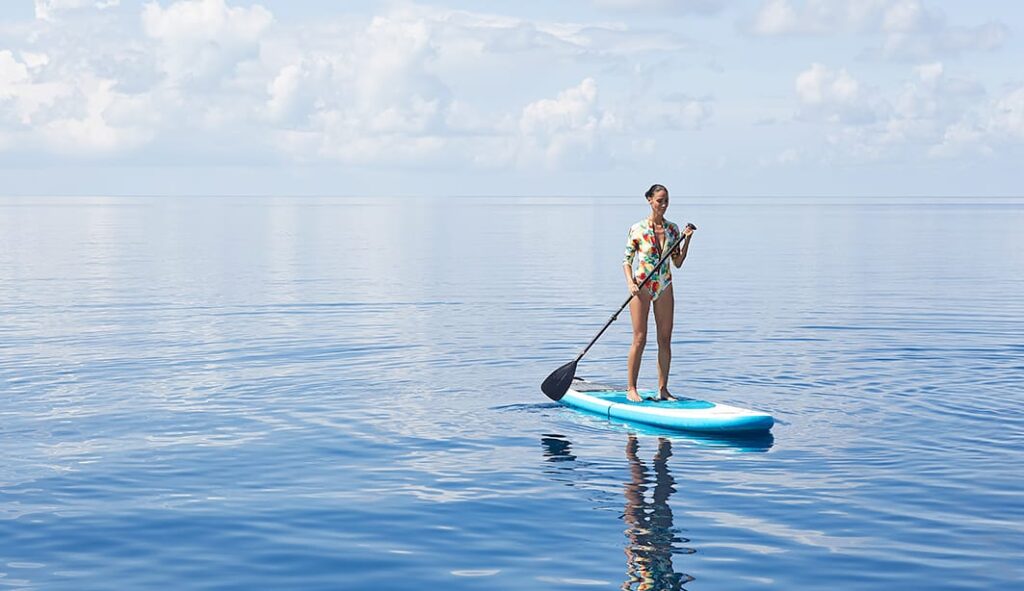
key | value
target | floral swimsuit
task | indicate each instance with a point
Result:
(643, 240)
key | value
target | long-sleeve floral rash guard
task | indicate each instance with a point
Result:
(643, 241)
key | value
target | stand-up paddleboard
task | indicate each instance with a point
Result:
(686, 414)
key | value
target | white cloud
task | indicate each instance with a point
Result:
(184, 77)
(789, 17)
(378, 95)
(932, 94)
(573, 109)
(474, 34)
(198, 21)
(834, 96)
(1007, 114)
(705, 7)
(673, 112)
(983, 130)
(367, 97)
(909, 30)
(789, 156)
(12, 73)
(284, 92)
(904, 17)
(777, 17)
(818, 85)
(997, 123)
(49, 9)
(568, 131)
(930, 115)
(960, 139)
(214, 82)
(81, 114)
(26, 95)
(943, 41)
(34, 60)
(106, 122)
(202, 40)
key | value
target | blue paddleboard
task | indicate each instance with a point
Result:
(686, 414)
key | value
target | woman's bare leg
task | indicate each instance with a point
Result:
(664, 316)
(639, 310)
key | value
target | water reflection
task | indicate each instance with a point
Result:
(651, 537)
(760, 441)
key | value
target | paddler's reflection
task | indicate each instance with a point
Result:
(651, 539)
(650, 533)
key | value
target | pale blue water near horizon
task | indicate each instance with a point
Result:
(340, 393)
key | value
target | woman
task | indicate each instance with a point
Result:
(649, 238)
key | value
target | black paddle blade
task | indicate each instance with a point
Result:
(557, 384)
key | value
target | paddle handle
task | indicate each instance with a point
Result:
(615, 316)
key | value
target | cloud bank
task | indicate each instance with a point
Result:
(630, 87)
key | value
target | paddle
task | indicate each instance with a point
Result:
(557, 384)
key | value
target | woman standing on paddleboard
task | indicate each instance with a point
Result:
(649, 238)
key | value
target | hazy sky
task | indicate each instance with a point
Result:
(578, 97)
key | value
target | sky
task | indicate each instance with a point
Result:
(568, 97)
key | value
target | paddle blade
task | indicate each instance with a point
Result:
(557, 384)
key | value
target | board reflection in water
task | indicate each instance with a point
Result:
(651, 537)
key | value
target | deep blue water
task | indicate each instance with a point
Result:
(244, 393)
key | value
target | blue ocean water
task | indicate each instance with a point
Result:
(257, 393)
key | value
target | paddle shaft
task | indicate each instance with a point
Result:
(664, 258)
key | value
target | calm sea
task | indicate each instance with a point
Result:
(296, 393)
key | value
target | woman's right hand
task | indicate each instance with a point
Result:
(634, 288)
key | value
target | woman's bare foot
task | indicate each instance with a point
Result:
(633, 396)
(664, 395)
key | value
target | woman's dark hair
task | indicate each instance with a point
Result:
(654, 189)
